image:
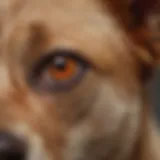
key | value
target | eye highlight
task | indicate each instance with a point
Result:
(59, 71)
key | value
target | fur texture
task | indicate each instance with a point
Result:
(111, 119)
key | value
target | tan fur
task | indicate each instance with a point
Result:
(106, 116)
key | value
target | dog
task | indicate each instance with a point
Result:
(73, 78)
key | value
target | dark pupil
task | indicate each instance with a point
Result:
(60, 63)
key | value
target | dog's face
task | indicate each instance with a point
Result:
(70, 82)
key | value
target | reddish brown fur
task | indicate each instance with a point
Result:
(117, 128)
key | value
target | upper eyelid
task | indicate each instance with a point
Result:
(63, 52)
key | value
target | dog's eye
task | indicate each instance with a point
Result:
(62, 68)
(59, 72)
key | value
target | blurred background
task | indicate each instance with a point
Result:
(154, 86)
(154, 93)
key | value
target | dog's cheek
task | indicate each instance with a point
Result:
(105, 122)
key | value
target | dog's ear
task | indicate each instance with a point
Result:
(144, 28)
(141, 20)
(145, 31)
(141, 9)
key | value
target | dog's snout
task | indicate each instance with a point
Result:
(11, 147)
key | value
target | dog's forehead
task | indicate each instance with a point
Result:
(48, 5)
(82, 25)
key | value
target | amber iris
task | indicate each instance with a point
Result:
(62, 68)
